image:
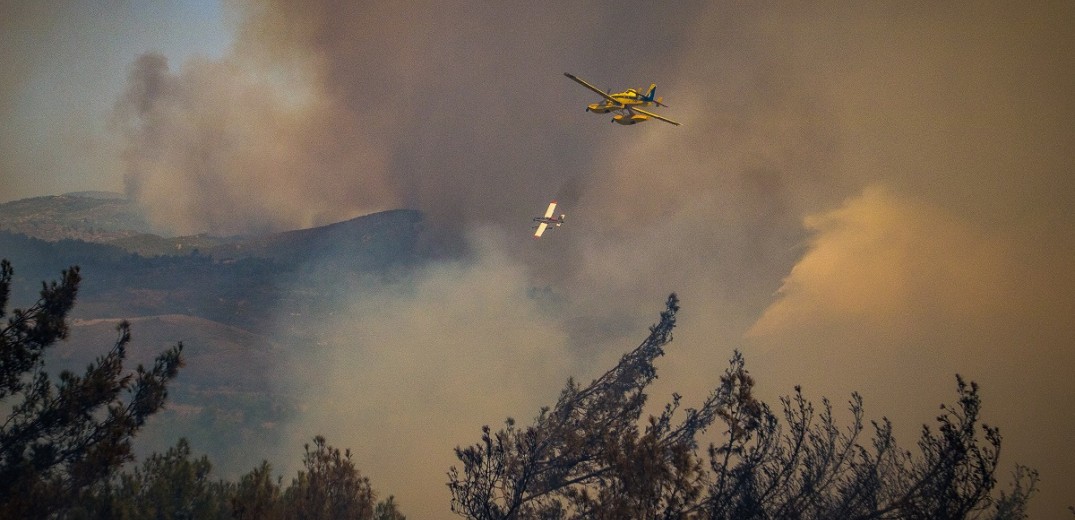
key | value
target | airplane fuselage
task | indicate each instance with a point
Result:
(623, 99)
(548, 219)
(624, 102)
(552, 221)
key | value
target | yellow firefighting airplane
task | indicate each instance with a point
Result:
(627, 105)
(548, 219)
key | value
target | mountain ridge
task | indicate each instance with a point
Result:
(109, 218)
(87, 216)
(242, 306)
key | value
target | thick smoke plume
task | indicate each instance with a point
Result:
(924, 147)
(217, 148)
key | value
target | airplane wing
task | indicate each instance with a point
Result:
(654, 116)
(593, 88)
(540, 229)
(552, 208)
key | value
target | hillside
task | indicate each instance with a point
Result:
(220, 352)
(224, 391)
(87, 216)
(222, 297)
(148, 244)
(241, 283)
(369, 242)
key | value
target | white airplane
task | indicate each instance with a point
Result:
(627, 105)
(548, 219)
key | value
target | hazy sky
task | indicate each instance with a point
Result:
(863, 196)
(65, 64)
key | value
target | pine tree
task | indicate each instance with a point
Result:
(589, 457)
(62, 437)
(330, 487)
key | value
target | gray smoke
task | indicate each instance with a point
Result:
(862, 197)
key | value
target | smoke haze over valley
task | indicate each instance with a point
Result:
(867, 197)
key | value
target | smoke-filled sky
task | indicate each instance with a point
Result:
(870, 196)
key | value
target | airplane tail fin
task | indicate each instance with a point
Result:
(650, 96)
(652, 90)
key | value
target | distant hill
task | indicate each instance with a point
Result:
(87, 216)
(368, 242)
(96, 216)
(104, 195)
(238, 282)
(148, 244)
(101, 217)
(222, 297)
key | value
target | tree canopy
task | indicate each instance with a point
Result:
(65, 440)
(590, 456)
(63, 436)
